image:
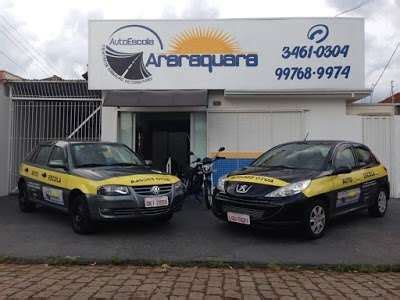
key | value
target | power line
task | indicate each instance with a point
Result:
(24, 49)
(37, 51)
(12, 60)
(386, 66)
(361, 4)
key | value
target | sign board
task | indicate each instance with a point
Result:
(239, 54)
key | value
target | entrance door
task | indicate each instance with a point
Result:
(164, 136)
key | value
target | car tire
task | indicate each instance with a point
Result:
(165, 218)
(80, 217)
(25, 205)
(379, 208)
(315, 220)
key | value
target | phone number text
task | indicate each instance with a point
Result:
(305, 73)
(323, 51)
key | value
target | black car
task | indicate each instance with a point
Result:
(304, 183)
(94, 181)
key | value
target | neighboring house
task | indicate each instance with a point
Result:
(395, 99)
(387, 107)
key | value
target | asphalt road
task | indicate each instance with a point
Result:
(196, 235)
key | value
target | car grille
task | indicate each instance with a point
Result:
(242, 210)
(254, 208)
(146, 190)
(135, 211)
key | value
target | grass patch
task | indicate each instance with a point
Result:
(78, 261)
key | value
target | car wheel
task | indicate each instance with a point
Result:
(379, 208)
(80, 217)
(25, 205)
(315, 220)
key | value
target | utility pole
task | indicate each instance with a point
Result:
(392, 90)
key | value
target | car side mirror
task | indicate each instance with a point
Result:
(342, 170)
(221, 149)
(57, 164)
(148, 162)
(191, 153)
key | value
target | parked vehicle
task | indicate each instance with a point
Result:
(304, 183)
(96, 181)
(198, 180)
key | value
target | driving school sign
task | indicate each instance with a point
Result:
(253, 54)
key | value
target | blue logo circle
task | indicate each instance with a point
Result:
(318, 33)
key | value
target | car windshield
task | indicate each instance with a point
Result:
(99, 155)
(295, 156)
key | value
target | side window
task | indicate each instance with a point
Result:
(42, 155)
(57, 154)
(32, 156)
(364, 157)
(345, 158)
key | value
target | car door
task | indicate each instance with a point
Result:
(33, 170)
(366, 161)
(54, 188)
(347, 186)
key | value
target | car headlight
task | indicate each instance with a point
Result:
(221, 183)
(290, 189)
(178, 185)
(113, 190)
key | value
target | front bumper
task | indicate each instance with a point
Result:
(132, 206)
(262, 212)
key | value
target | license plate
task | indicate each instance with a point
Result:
(238, 218)
(156, 201)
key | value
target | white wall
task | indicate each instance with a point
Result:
(4, 140)
(109, 124)
(395, 161)
(325, 118)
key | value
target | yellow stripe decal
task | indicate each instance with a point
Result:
(88, 186)
(336, 182)
(257, 179)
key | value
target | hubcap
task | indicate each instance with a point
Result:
(382, 202)
(317, 219)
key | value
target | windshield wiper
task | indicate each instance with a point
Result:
(90, 165)
(124, 164)
(280, 166)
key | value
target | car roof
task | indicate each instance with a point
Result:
(326, 142)
(64, 143)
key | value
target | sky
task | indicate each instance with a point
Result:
(55, 31)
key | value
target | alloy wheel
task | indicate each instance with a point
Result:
(317, 219)
(382, 202)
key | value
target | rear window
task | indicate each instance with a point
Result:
(364, 157)
(57, 154)
(42, 155)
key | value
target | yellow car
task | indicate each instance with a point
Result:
(304, 184)
(95, 181)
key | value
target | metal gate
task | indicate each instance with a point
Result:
(378, 135)
(36, 118)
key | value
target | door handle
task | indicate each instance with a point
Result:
(44, 175)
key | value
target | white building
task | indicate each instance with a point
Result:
(168, 87)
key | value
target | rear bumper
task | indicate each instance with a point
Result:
(131, 207)
(262, 213)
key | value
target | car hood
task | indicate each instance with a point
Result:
(254, 182)
(283, 174)
(103, 173)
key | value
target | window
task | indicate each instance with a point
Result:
(364, 157)
(97, 154)
(345, 158)
(57, 154)
(295, 156)
(43, 155)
